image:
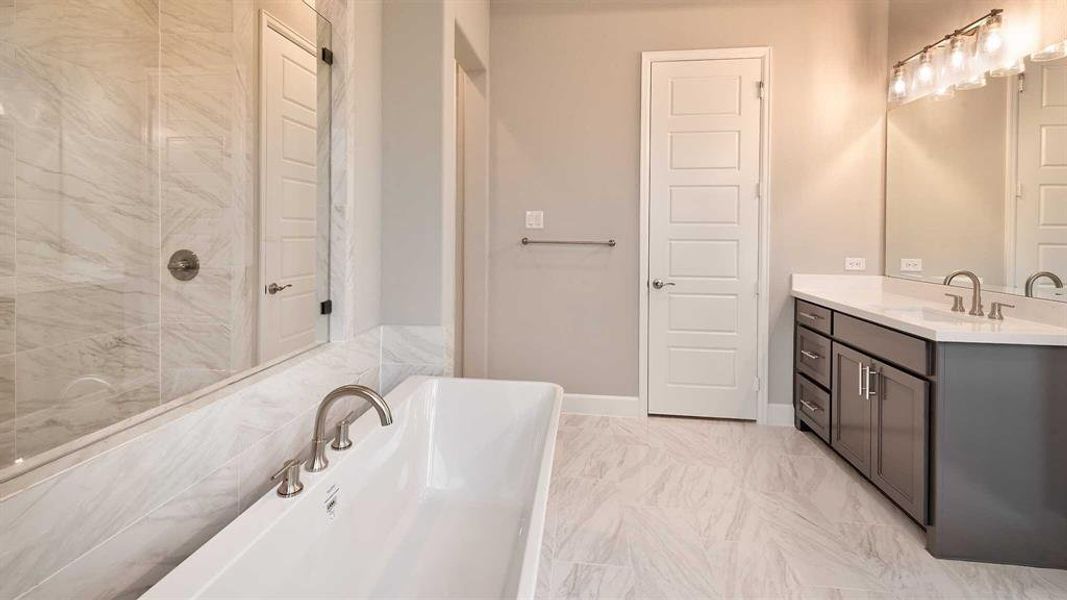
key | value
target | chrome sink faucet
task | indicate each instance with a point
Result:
(318, 460)
(1031, 280)
(976, 291)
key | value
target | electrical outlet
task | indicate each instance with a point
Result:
(855, 264)
(911, 265)
(535, 219)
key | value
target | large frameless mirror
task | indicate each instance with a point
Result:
(976, 172)
(164, 207)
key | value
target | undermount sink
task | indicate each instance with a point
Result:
(927, 313)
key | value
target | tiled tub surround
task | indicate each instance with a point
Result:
(415, 350)
(111, 526)
(79, 219)
(688, 508)
(128, 132)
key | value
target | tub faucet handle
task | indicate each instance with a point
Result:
(342, 441)
(290, 476)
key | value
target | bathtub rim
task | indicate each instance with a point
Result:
(201, 569)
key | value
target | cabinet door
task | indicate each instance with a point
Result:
(898, 461)
(850, 409)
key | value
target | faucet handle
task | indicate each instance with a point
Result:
(995, 312)
(342, 441)
(290, 476)
(957, 303)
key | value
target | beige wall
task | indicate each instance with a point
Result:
(946, 183)
(564, 131)
(418, 181)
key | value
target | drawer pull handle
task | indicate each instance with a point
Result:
(870, 389)
(810, 355)
(808, 405)
(811, 316)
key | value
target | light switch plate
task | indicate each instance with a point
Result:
(853, 263)
(535, 219)
(911, 265)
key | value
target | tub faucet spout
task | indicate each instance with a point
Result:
(318, 460)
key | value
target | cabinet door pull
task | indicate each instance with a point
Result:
(871, 391)
(810, 355)
(859, 378)
(808, 405)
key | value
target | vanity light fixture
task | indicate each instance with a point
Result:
(960, 60)
(1051, 52)
(991, 35)
(1008, 68)
(898, 85)
(944, 93)
(973, 83)
(925, 73)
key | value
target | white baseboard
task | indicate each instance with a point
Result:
(595, 404)
(779, 414)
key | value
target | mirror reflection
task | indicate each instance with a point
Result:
(164, 207)
(978, 181)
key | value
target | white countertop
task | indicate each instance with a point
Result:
(922, 310)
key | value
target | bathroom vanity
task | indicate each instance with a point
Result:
(960, 420)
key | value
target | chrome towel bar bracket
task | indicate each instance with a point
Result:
(528, 241)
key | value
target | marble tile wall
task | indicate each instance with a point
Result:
(127, 132)
(79, 219)
(414, 350)
(112, 526)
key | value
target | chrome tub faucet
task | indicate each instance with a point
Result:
(318, 460)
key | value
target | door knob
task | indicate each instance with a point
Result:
(274, 288)
(659, 284)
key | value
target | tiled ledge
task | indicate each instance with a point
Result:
(115, 523)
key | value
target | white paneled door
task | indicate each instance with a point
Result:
(1041, 216)
(703, 248)
(288, 192)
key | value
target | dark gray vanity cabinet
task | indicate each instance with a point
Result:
(899, 443)
(879, 411)
(969, 439)
(880, 425)
(851, 433)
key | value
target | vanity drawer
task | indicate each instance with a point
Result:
(812, 405)
(909, 352)
(812, 355)
(815, 317)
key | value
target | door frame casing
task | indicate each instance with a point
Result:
(763, 287)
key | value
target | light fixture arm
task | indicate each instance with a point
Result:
(968, 29)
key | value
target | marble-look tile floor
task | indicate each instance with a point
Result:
(686, 508)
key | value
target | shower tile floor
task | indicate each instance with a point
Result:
(686, 508)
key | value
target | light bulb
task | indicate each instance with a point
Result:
(1051, 52)
(898, 86)
(992, 36)
(925, 72)
(957, 54)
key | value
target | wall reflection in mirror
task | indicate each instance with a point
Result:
(163, 164)
(978, 181)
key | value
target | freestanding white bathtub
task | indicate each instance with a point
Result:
(449, 501)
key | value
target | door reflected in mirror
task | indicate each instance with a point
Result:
(155, 180)
(979, 182)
